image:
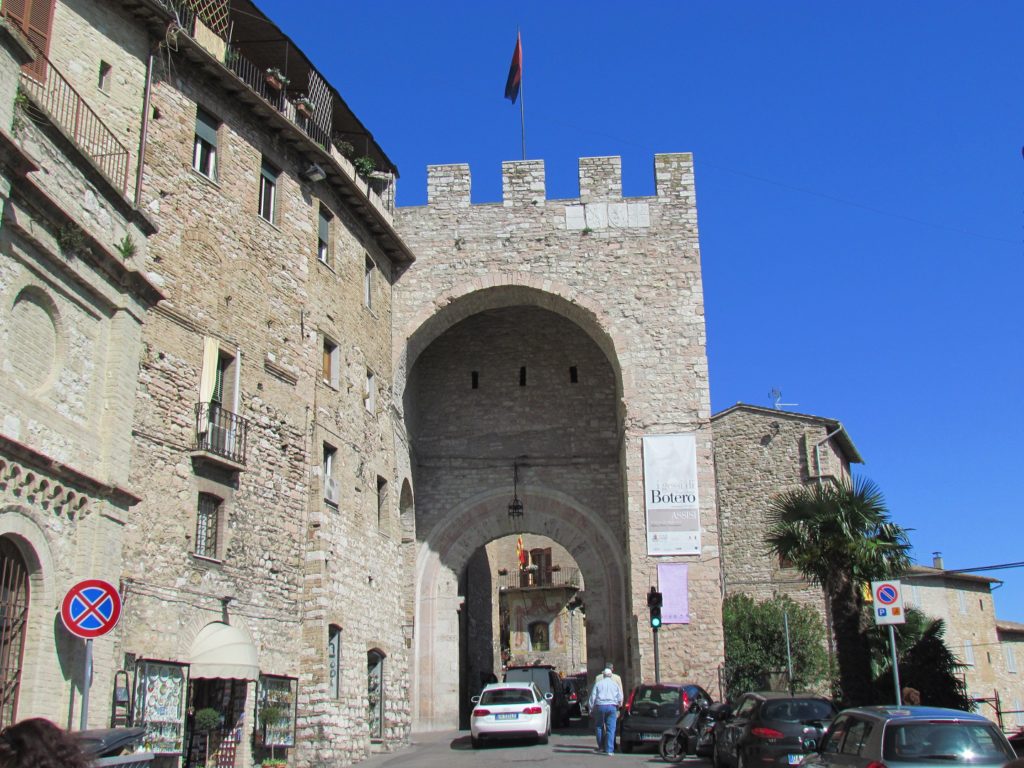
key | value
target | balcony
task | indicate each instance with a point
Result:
(220, 436)
(63, 106)
(540, 579)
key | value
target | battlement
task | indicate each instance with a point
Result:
(523, 181)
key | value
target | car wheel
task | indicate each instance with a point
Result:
(475, 742)
(741, 760)
(670, 749)
(627, 746)
(543, 739)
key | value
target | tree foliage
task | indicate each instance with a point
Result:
(925, 663)
(755, 644)
(839, 535)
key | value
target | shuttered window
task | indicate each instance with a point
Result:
(35, 19)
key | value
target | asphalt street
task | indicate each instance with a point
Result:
(567, 747)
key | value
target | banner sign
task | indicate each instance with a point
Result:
(674, 587)
(670, 495)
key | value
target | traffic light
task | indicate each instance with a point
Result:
(654, 604)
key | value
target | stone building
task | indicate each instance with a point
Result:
(760, 452)
(255, 533)
(73, 296)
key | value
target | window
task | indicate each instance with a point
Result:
(856, 737)
(277, 695)
(330, 366)
(14, 603)
(1019, 710)
(522, 376)
(474, 380)
(962, 597)
(382, 497)
(574, 375)
(539, 636)
(915, 597)
(103, 80)
(207, 523)
(375, 694)
(204, 152)
(969, 653)
(327, 467)
(268, 191)
(323, 239)
(368, 269)
(1011, 660)
(370, 392)
(334, 661)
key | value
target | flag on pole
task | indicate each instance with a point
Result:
(520, 552)
(515, 72)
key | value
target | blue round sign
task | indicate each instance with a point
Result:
(887, 594)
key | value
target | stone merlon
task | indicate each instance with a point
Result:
(523, 181)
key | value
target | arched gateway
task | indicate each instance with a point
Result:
(546, 341)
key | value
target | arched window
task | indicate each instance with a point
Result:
(13, 620)
(539, 636)
(375, 693)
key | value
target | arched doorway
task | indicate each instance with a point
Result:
(14, 603)
(512, 391)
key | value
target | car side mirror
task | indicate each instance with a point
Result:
(475, 699)
(810, 745)
(549, 696)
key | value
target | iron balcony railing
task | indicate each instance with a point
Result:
(220, 432)
(66, 108)
(536, 579)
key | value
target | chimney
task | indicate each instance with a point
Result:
(937, 561)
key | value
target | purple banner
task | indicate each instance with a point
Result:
(674, 588)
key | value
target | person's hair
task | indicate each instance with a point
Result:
(38, 743)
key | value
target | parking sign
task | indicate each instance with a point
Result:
(888, 602)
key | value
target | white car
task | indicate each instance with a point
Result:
(510, 710)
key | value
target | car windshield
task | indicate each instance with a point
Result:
(507, 696)
(956, 742)
(797, 710)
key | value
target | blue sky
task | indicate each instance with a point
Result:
(860, 199)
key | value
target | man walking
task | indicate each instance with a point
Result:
(605, 700)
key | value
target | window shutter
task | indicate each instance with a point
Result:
(211, 365)
(34, 18)
(206, 127)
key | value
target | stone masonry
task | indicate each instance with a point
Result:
(522, 292)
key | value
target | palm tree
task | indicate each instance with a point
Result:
(839, 535)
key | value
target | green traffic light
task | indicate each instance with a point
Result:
(655, 621)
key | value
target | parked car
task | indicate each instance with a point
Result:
(510, 710)
(548, 681)
(572, 695)
(653, 708)
(771, 729)
(911, 737)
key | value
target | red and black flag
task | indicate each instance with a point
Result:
(515, 72)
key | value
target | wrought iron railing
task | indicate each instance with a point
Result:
(220, 432)
(530, 579)
(66, 108)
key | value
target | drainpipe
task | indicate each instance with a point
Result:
(144, 133)
(817, 449)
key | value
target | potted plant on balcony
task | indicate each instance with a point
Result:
(364, 165)
(275, 78)
(304, 106)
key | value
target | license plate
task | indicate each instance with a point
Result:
(506, 716)
(650, 737)
(795, 759)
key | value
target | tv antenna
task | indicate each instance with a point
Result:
(776, 395)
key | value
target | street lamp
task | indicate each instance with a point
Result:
(515, 507)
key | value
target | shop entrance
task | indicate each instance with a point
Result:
(214, 727)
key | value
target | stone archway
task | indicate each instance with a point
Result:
(447, 549)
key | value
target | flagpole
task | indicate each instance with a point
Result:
(522, 92)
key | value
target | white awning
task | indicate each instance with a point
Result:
(223, 651)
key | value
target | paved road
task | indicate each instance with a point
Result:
(568, 747)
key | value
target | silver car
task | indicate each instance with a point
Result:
(910, 737)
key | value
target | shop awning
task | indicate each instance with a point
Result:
(223, 651)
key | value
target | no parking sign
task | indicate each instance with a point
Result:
(888, 599)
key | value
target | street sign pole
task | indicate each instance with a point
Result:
(657, 658)
(86, 685)
(895, 665)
